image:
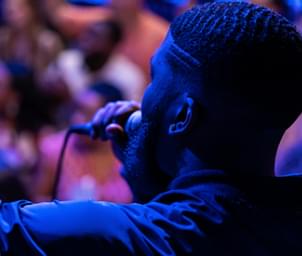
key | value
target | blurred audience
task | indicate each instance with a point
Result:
(40, 81)
(24, 39)
(90, 170)
(143, 31)
(70, 20)
(17, 149)
(288, 8)
(167, 9)
(96, 59)
(28, 48)
(44, 85)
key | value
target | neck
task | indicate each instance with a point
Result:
(252, 154)
(256, 156)
(190, 162)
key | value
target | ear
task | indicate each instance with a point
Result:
(183, 118)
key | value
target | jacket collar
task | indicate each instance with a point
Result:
(267, 191)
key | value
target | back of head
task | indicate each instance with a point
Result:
(246, 51)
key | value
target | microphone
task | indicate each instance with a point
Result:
(131, 124)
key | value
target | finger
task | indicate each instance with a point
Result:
(98, 117)
(117, 112)
(109, 112)
(118, 138)
(126, 108)
(123, 112)
(135, 104)
(96, 122)
(114, 131)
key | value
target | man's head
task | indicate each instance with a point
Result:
(98, 42)
(225, 78)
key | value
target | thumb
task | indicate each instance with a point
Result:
(115, 132)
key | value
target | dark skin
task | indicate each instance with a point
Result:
(185, 132)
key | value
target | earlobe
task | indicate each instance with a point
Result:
(183, 120)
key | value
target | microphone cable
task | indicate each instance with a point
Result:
(59, 168)
(88, 129)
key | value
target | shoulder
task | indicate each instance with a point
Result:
(156, 25)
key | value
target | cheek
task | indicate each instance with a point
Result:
(147, 100)
(167, 155)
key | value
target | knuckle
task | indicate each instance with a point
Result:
(110, 105)
(120, 102)
(134, 104)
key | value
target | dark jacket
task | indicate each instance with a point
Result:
(202, 213)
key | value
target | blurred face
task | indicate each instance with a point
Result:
(96, 38)
(97, 45)
(143, 166)
(18, 13)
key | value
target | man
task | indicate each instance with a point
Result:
(224, 89)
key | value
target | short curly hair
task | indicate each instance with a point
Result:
(247, 49)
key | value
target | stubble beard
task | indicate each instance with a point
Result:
(140, 166)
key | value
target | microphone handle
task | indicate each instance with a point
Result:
(131, 124)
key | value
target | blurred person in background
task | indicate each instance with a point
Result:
(167, 9)
(291, 9)
(143, 30)
(28, 48)
(276, 5)
(10, 157)
(90, 170)
(96, 59)
(70, 20)
(24, 38)
(17, 150)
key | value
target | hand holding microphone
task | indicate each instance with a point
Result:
(113, 122)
